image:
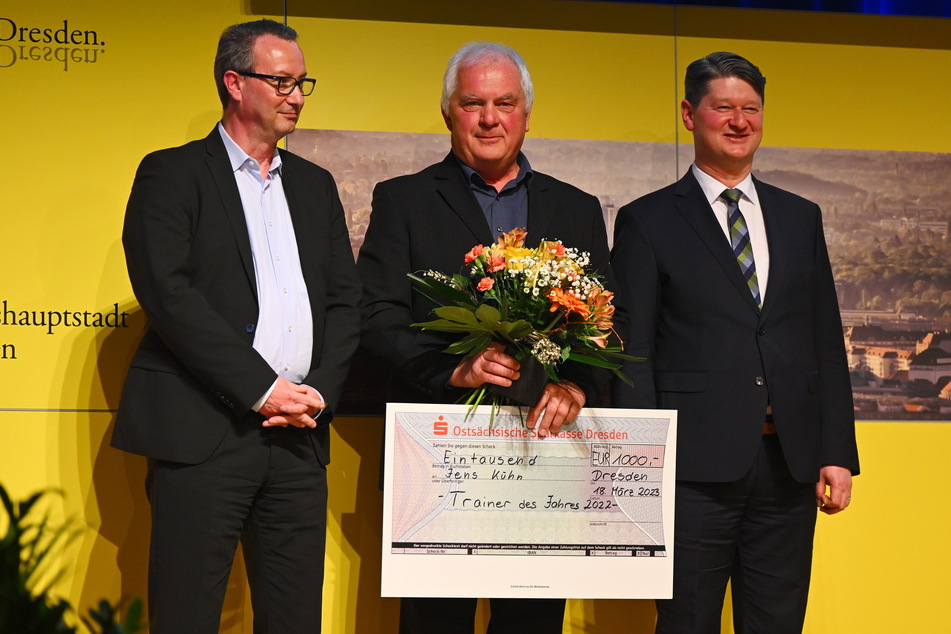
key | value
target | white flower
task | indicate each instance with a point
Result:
(546, 351)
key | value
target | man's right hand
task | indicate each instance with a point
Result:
(291, 404)
(491, 365)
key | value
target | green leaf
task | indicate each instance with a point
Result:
(447, 292)
(471, 344)
(488, 315)
(133, 616)
(615, 354)
(459, 314)
(593, 360)
(515, 330)
(444, 325)
(623, 377)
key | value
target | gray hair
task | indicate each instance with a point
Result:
(475, 52)
(716, 65)
(235, 49)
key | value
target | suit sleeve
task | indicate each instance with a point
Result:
(386, 258)
(163, 211)
(835, 390)
(634, 270)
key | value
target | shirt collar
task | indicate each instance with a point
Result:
(524, 173)
(712, 188)
(239, 158)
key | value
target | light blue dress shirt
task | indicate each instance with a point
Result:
(283, 335)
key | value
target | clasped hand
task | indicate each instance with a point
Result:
(291, 404)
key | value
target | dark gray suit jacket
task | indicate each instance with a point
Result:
(189, 259)
(429, 221)
(713, 355)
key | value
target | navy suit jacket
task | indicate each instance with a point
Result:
(189, 259)
(429, 221)
(713, 355)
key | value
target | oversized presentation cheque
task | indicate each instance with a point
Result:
(475, 507)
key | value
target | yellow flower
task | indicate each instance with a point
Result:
(514, 257)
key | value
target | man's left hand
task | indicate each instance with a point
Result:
(838, 481)
(560, 403)
(292, 404)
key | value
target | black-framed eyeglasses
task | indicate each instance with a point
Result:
(286, 85)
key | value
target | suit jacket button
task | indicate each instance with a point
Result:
(761, 332)
(249, 328)
(760, 380)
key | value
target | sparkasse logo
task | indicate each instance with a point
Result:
(440, 427)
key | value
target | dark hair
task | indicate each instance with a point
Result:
(717, 65)
(235, 49)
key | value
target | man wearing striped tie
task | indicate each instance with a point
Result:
(725, 287)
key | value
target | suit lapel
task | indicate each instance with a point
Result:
(540, 211)
(775, 221)
(300, 221)
(693, 206)
(452, 187)
(220, 169)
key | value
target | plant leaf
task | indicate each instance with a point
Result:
(471, 344)
(593, 360)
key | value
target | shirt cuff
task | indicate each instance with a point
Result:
(261, 401)
(321, 397)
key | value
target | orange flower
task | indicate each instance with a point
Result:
(562, 299)
(473, 253)
(602, 312)
(496, 262)
(513, 238)
(550, 250)
(485, 284)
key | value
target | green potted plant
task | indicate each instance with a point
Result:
(27, 554)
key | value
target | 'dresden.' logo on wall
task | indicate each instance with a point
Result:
(59, 44)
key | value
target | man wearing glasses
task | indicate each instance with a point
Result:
(239, 255)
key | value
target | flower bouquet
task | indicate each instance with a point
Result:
(539, 302)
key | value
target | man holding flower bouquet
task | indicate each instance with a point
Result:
(430, 221)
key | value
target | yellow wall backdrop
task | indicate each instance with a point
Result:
(76, 118)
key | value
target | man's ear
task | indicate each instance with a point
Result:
(686, 113)
(232, 81)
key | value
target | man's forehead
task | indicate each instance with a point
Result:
(283, 51)
(721, 88)
(507, 96)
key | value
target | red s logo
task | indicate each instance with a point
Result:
(440, 427)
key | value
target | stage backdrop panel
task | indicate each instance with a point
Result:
(87, 89)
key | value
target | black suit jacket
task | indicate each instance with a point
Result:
(713, 355)
(189, 259)
(429, 221)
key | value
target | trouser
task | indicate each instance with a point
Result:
(757, 532)
(263, 486)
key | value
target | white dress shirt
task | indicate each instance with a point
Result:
(752, 213)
